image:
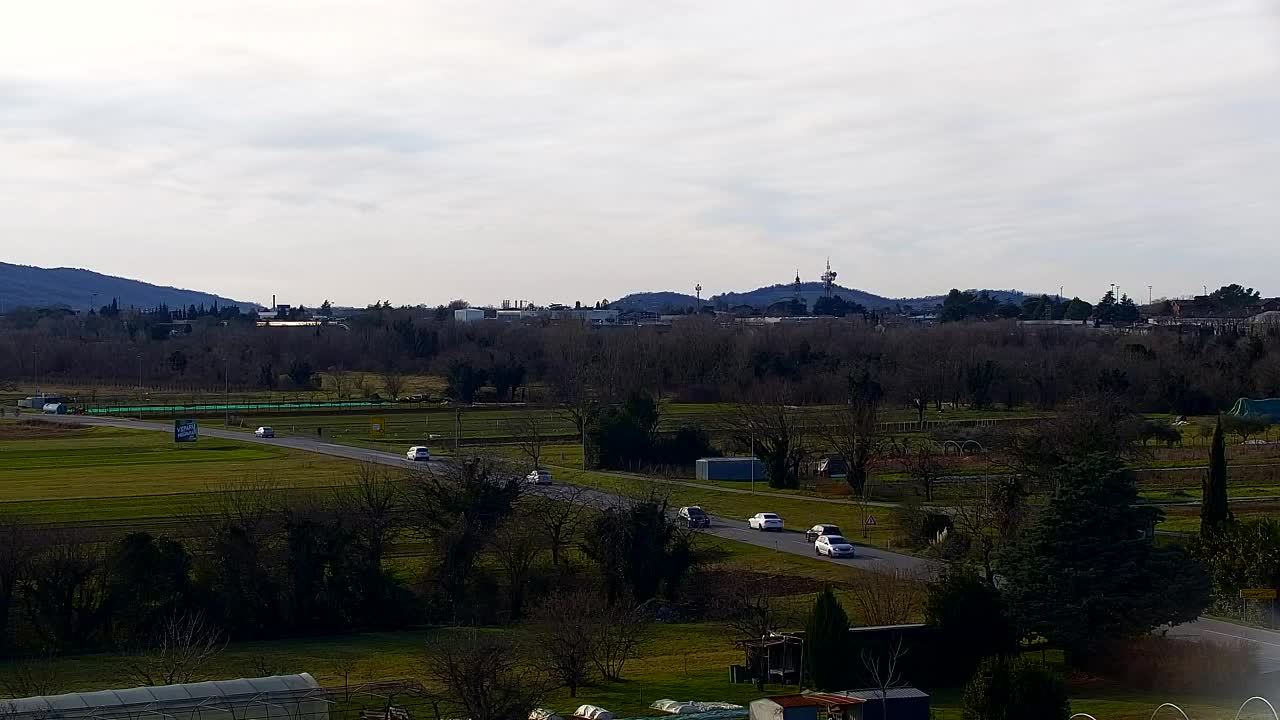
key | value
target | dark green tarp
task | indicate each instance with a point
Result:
(1269, 408)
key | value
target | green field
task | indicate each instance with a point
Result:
(100, 474)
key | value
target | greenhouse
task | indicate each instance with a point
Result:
(282, 697)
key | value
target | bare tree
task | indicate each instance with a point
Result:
(883, 671)
(343, 665)
(392, 383)
(33, 675)
(853, 432)
(176, 652)
(563, 631)
(340, 378)
(886, 598)
(773, 432)
(457, 506)
(749, 605)
(527, 430)
(558, 518)
(484, 677)
(517, 547)
(923, 466)
(371, 502)
(620, 631)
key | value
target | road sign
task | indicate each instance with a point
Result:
(871, 519)
(378, 427)
(1258, 594)
(185, 431)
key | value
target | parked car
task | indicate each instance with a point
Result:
(694, 517)
(765, 521)
(833, 546)
(811, 535)
(264, 432)
(418, 453)
(538, 477)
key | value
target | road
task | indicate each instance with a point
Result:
(1266, 644)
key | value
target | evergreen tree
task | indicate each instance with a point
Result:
(1087, 571)
(826, 644)
(1214, 508)
(1106, 309)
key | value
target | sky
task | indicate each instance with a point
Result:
(418, 151)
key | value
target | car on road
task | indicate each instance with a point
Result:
(264, 432)
(418, 453)
(694, 517)
(765, 521)
(538, 477)
(833, 546)
(812, 534)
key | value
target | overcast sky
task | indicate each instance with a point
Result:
(418, 151)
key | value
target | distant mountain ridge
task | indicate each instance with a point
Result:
(30, 286)
(763, 297)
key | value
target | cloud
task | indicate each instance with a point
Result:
(556, 151)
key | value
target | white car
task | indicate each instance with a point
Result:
(417, 453)
(833, 546)
(765, 521)
(538, 477)
(264, 432)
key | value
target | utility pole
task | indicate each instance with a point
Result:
(457, 429)
(226, 391)
(753, 461)
(37, 355)
(139, 386)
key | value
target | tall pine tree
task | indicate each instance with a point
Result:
(1214, 508)
(1087, 572)
(826, 644)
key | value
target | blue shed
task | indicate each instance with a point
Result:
(730, 468)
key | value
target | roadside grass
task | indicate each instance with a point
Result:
(104, 474)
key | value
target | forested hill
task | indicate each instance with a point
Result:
(810, 291)
(26, 285)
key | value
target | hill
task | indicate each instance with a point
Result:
(765, 296)
(26, 285)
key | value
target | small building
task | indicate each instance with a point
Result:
(816, 706)
(37, 402)
(468, 315)
(899, 703)
(730, 468)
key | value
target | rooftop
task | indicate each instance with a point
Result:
(815, 700)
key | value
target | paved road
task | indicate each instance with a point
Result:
(1265, 643)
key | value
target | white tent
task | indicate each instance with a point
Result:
(282, 697)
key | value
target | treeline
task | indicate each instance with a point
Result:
(975, 364)
(271, 563)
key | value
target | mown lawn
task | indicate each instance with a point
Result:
(100, 473)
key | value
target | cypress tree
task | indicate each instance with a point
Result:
(826, 644)
(1214, 509)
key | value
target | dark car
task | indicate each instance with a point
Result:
(694, 517)
(811, 535)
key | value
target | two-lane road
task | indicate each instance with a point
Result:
(1266, 644)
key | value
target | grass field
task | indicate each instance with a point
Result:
(57, 474)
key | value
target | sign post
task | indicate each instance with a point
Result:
(378, 427)
(185, 431)
(1258, 594)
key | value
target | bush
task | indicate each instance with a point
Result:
(1015, 690)
(970, 622)
(1164, 664)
